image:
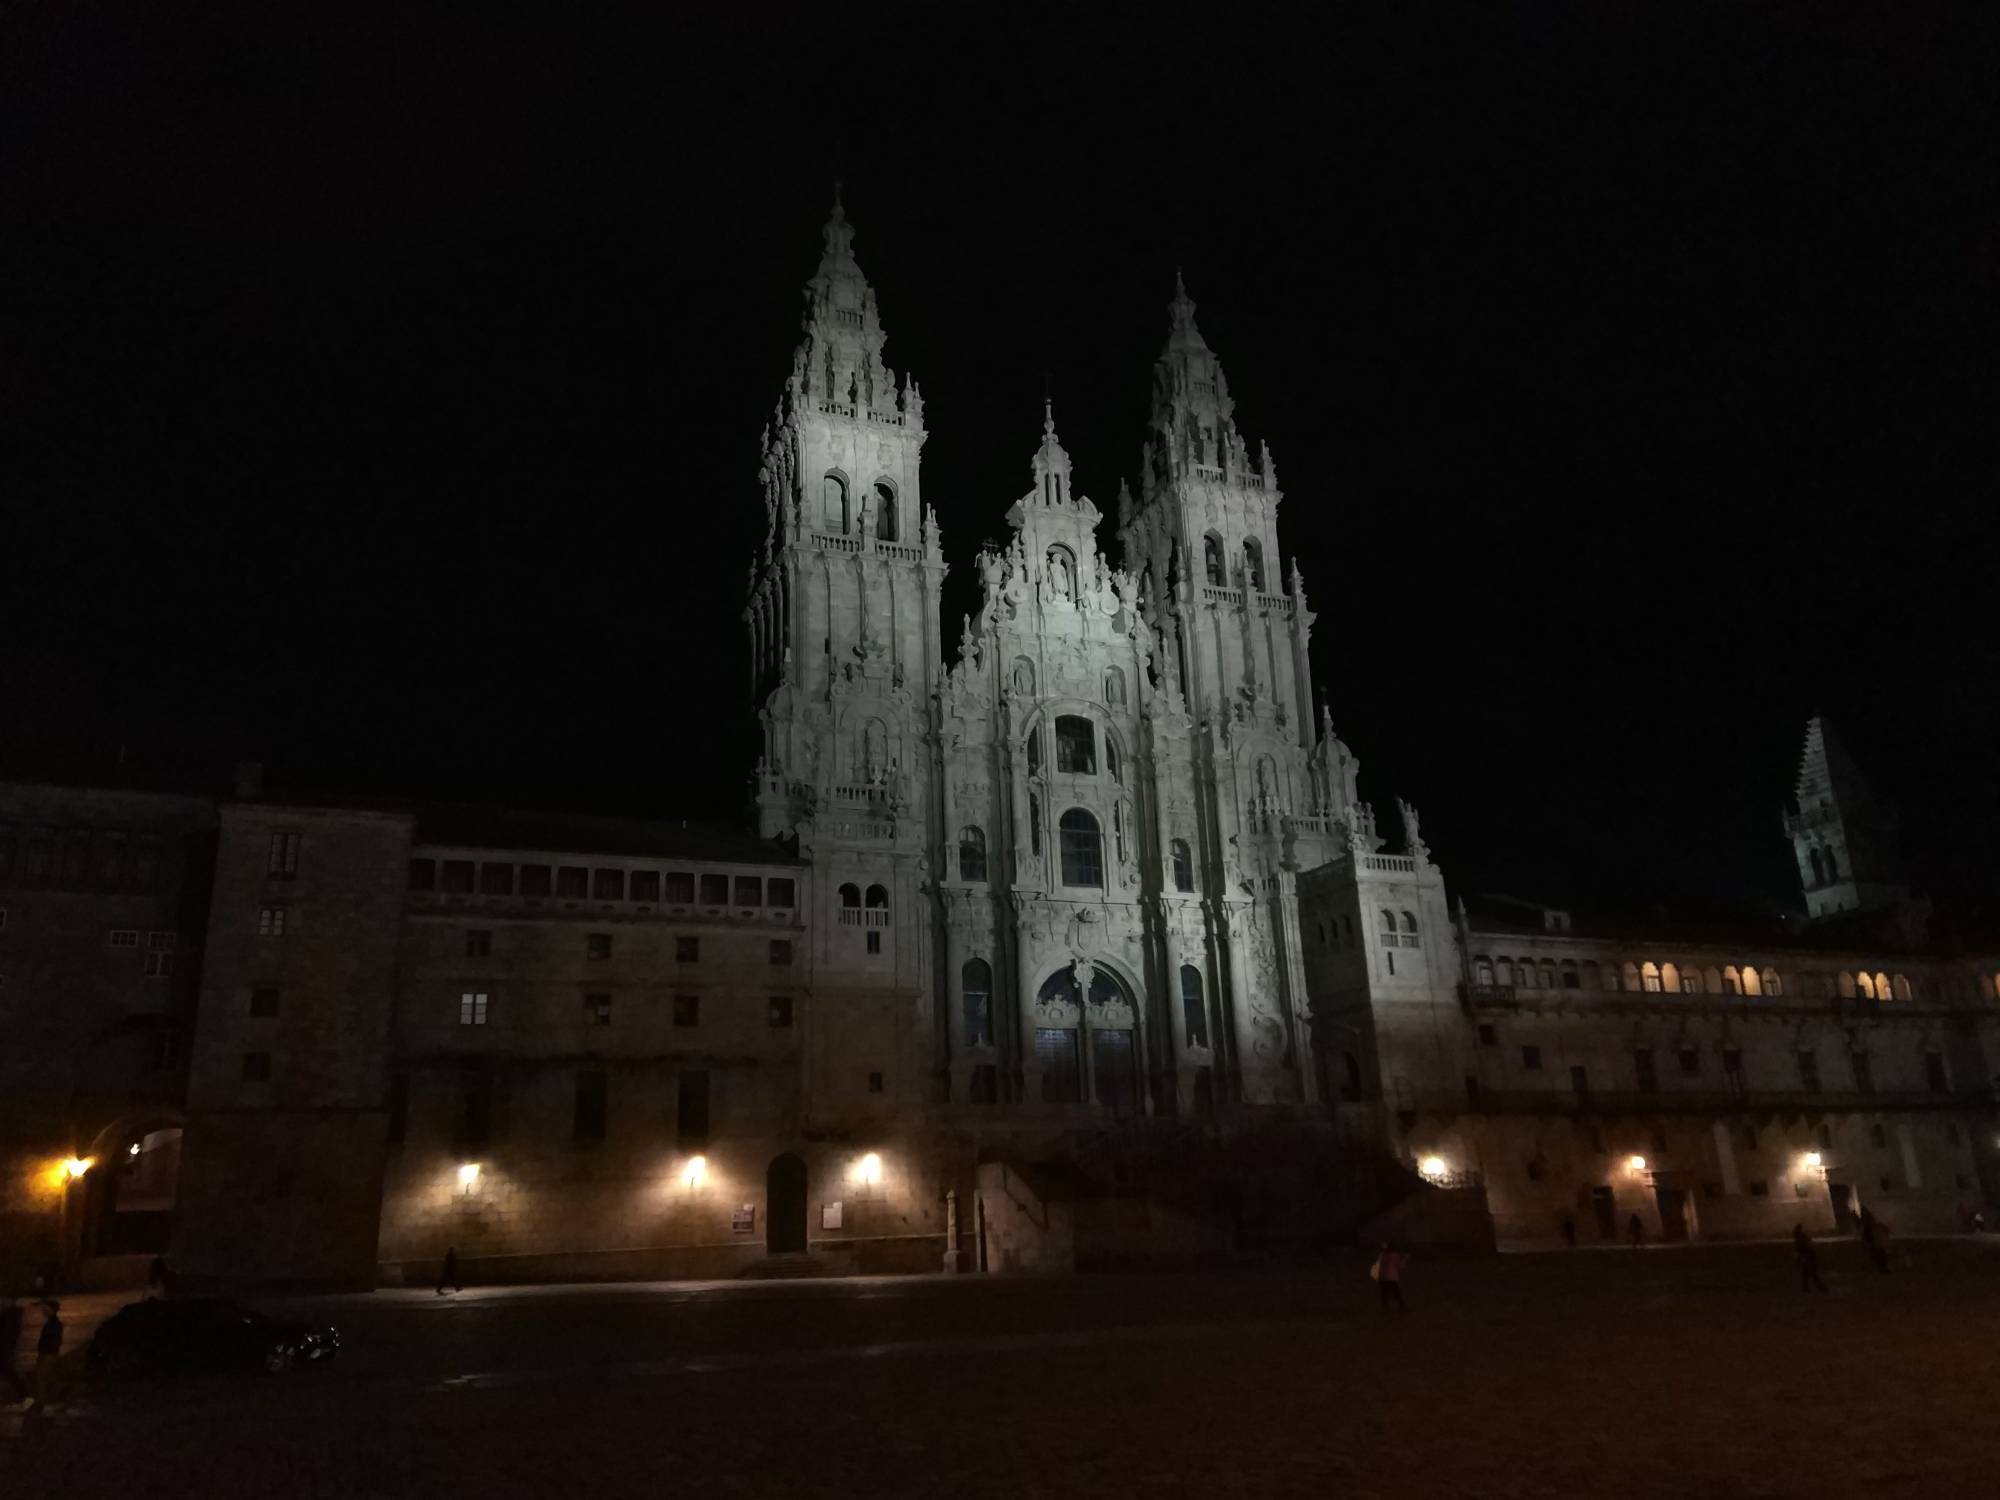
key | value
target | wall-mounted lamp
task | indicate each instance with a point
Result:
(1635, 1163)
(694, 1173)
(468, 1175)
(1813, 1160)
(75, 1166)
(1433, 1167)
(869, 1169)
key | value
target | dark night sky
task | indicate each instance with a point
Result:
(381, 391)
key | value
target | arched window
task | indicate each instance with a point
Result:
(1753, 983)
(885, 511)
(1593, 977)
(1506, 970)
(1211, 560)
(1882, 991)
(1832, 868)
(1902, 983)
(1865, 982)
(1194, 1014)
(1183, 863)
(1818, 869)
(1253, 564)
(976, 982)
(1111, 766)
(1631, 975)
(1732, 982)
(1524, 973)
(971, 853)
(1114, 688)
(1611, 976)
(1548, 973)
(1773, 985)
(1076, 746)
(1649, 978)
(1570, 978)
(878, 900)
(1670, 977)
(1711, 979)
(1082, 850)
(1035, 751)
(850, 897)
(833, 503)
(1388, 919)
(1409, 924)
(1691, 980)
(1482, 971)
(1846, 985)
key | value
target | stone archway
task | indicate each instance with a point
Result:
(1089, 1040)
(133, 1190)
(785, 1206)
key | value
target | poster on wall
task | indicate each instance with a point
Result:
(744, 1220)
(829, 1216)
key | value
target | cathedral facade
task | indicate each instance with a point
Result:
(1033, 918)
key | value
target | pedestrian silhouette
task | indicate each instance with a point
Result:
(1388, 1274)
(1569, 1233)
(48, 1349)
(448, 1273)
(1808, 1258)
(1637, 1229)
(1871, 1237)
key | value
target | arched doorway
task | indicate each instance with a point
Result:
(785, 1206)
(134, 1187)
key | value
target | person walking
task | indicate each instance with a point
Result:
(1388, 1274)
(448, 1273)
(1636, 1228)
(10, 1338)
(1569, 1234)
(48, 1349)
(1871, 1237)
(1808, 1258)
(156, 1278)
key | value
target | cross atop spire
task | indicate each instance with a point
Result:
(1181, 332)
(1051, 463)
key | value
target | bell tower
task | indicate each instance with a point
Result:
(1846, 842)
(843, 607)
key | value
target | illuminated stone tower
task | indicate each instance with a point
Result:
(843, 625)
(1846, 842)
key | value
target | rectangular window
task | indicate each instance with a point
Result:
(874, 1083)
(781, 951)
(781, 1010)
(607, 885)
(1690, 1061)
(1488, 1035)
(1055, 1052)
(124, 937)
(687, 1010)
(1809, 1072)
(749, 890)
(597, 1010)
(691, 1115)
(1531, 1059)
(496, 880)
(1934, 1074)
(985, 1084)
(478, 943)
(455, 877)
(159, 942)
(687, 950)
(283, 863)
(423, 874)
(597, 945)
(779, 892)
(472, 1008)
(535, 881)
(270, 921)
(256, 1067)
(592, 1090)
(874, 941)
(680, 888)
(572, 883)
(715, 890)
(264, 1002)
(399, 1107)
(646, 885)
(159, 965)
(1732, 1069)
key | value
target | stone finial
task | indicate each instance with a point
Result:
(1413, 837)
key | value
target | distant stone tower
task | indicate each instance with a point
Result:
(1846, 841)
(845, 659)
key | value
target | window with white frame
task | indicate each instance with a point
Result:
(270, 921)
(123, 937)
(472, 1008)
(283, 861)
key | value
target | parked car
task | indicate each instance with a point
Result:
(204, 1334)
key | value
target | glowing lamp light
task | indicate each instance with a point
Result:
(133, 1149)
(468, 1175)
(1812, 1159)
(869, 1169)
(695, 1172)
(1636, 1163)
(1432, 1167)
(75, 1166)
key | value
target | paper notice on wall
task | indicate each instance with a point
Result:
(829, 1216)
(744, 1219)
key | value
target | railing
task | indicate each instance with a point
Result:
(1279, 603)
(835, 543)
(1498, 1099)
(1206, 471)
(860, 916)
(899, 552)
(836, 408)
(1389, 864)
(1314, 823)
(1212, 593)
